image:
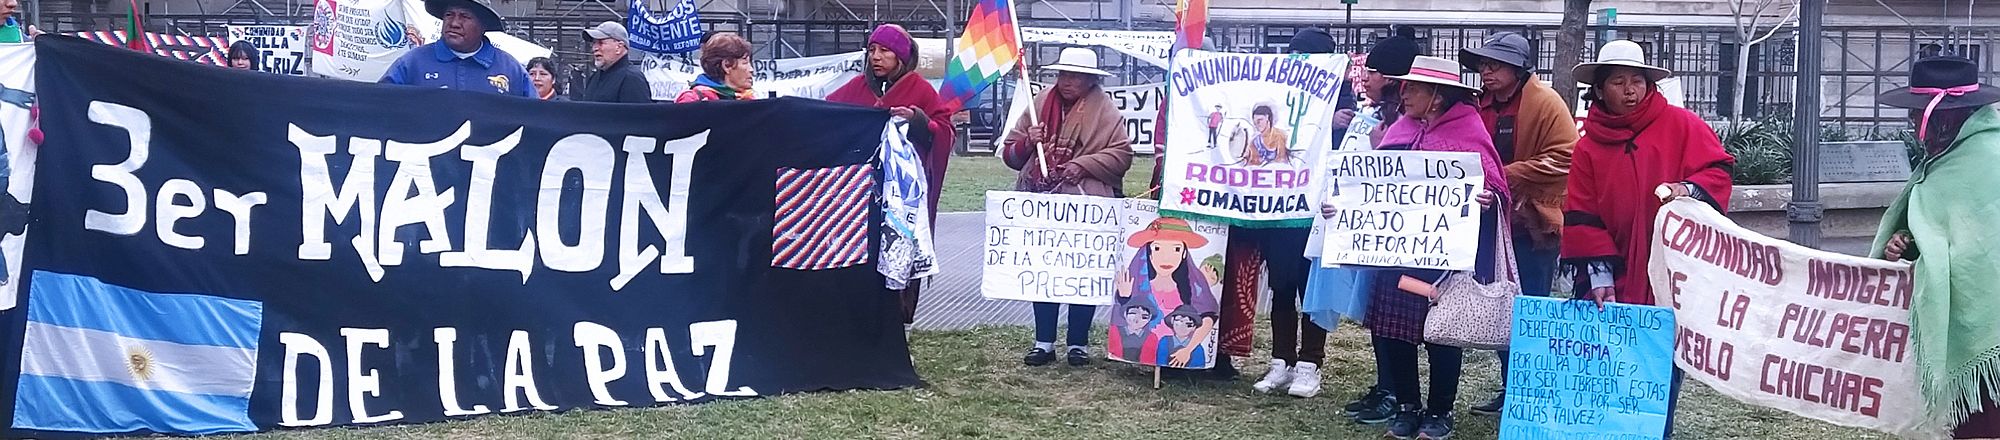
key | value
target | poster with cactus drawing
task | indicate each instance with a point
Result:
(1166, 312)
(1245, 132)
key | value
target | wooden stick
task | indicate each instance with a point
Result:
(1021, 59)
(1156, 377)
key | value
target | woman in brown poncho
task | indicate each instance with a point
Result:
(1082, 140)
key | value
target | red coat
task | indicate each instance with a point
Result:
(1608, 213)
(911, 90)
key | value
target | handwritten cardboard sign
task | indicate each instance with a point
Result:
(1577, 372)
(1415, 209)
(1051, 248)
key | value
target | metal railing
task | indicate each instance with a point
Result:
(1861, 61)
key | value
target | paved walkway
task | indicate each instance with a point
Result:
(952, 299)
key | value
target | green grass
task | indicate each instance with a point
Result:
(970, 177)
(979, 390)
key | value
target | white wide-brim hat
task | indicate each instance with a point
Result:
(1621, 53)
(1079, 60)
(1434, 70)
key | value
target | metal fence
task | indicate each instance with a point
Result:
(1860, 61)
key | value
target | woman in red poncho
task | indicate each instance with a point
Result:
(892, 82)
(1636, 152)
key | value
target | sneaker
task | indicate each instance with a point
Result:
(1078, 357)
(1279, 376)
(1436, 427)
(1038, 357)
(1409, 419)
(1382, 411)
(1493, 407)
(1367, 400)
(1305, 380)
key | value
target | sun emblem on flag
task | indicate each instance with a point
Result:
(140, 362)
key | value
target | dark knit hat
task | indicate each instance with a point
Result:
(1392, 56)
(1311, 40)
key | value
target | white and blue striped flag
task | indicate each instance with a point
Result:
(108, 359)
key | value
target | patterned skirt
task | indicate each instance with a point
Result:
(1393, 313)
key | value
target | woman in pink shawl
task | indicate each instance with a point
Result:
(892, 83)
(1438, 115)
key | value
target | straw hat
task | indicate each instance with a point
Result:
(1167, 228)
(1079, 60)
(1434, 70)
(1621, 53)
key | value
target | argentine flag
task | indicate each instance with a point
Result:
(101, 358)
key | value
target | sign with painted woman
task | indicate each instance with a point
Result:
(1166, 312)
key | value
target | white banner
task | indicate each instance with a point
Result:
(1139, 104)
(282, 49)
(1151, 47)
(17, 172)
(1247, 134)
(805, 77)
(1775, 324)
(808, 77)
(1415, 209)
(357, 40)
(1051, 248)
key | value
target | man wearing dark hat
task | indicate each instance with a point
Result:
(616, 80)
(463, 59)
(1534, 133)
(1938, 223)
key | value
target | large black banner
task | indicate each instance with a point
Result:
(215, 251)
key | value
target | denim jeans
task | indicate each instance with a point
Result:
(1080, 318)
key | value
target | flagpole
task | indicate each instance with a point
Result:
(1021, 59)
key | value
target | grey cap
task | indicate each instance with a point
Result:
(609, 29)
(1506, 47)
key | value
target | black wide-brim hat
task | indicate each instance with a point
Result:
(487, 17)
(1941, 72)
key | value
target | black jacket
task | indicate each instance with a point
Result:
(623, 82)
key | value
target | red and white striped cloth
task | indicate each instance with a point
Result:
(205, 50)
(822, 217)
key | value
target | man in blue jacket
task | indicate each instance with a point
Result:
(463, 59)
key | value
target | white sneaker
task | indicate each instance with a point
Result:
(1278, 376)
(1305, 380)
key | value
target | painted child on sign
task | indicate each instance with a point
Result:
(1263, 143)
(1162, 276)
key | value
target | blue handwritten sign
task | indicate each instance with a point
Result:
(1577, 372)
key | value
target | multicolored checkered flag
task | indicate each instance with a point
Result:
(990, 46)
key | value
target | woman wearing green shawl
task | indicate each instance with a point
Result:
(1941, 223)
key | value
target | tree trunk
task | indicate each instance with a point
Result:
(1736, 101)
(1570, 47)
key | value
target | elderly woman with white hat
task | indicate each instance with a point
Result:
(1081, 139)
(1637, 152)
(1438, 115)
(1634, 145)
(1955, 297)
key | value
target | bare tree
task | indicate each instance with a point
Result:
(1749, 18)
(1569, 47)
